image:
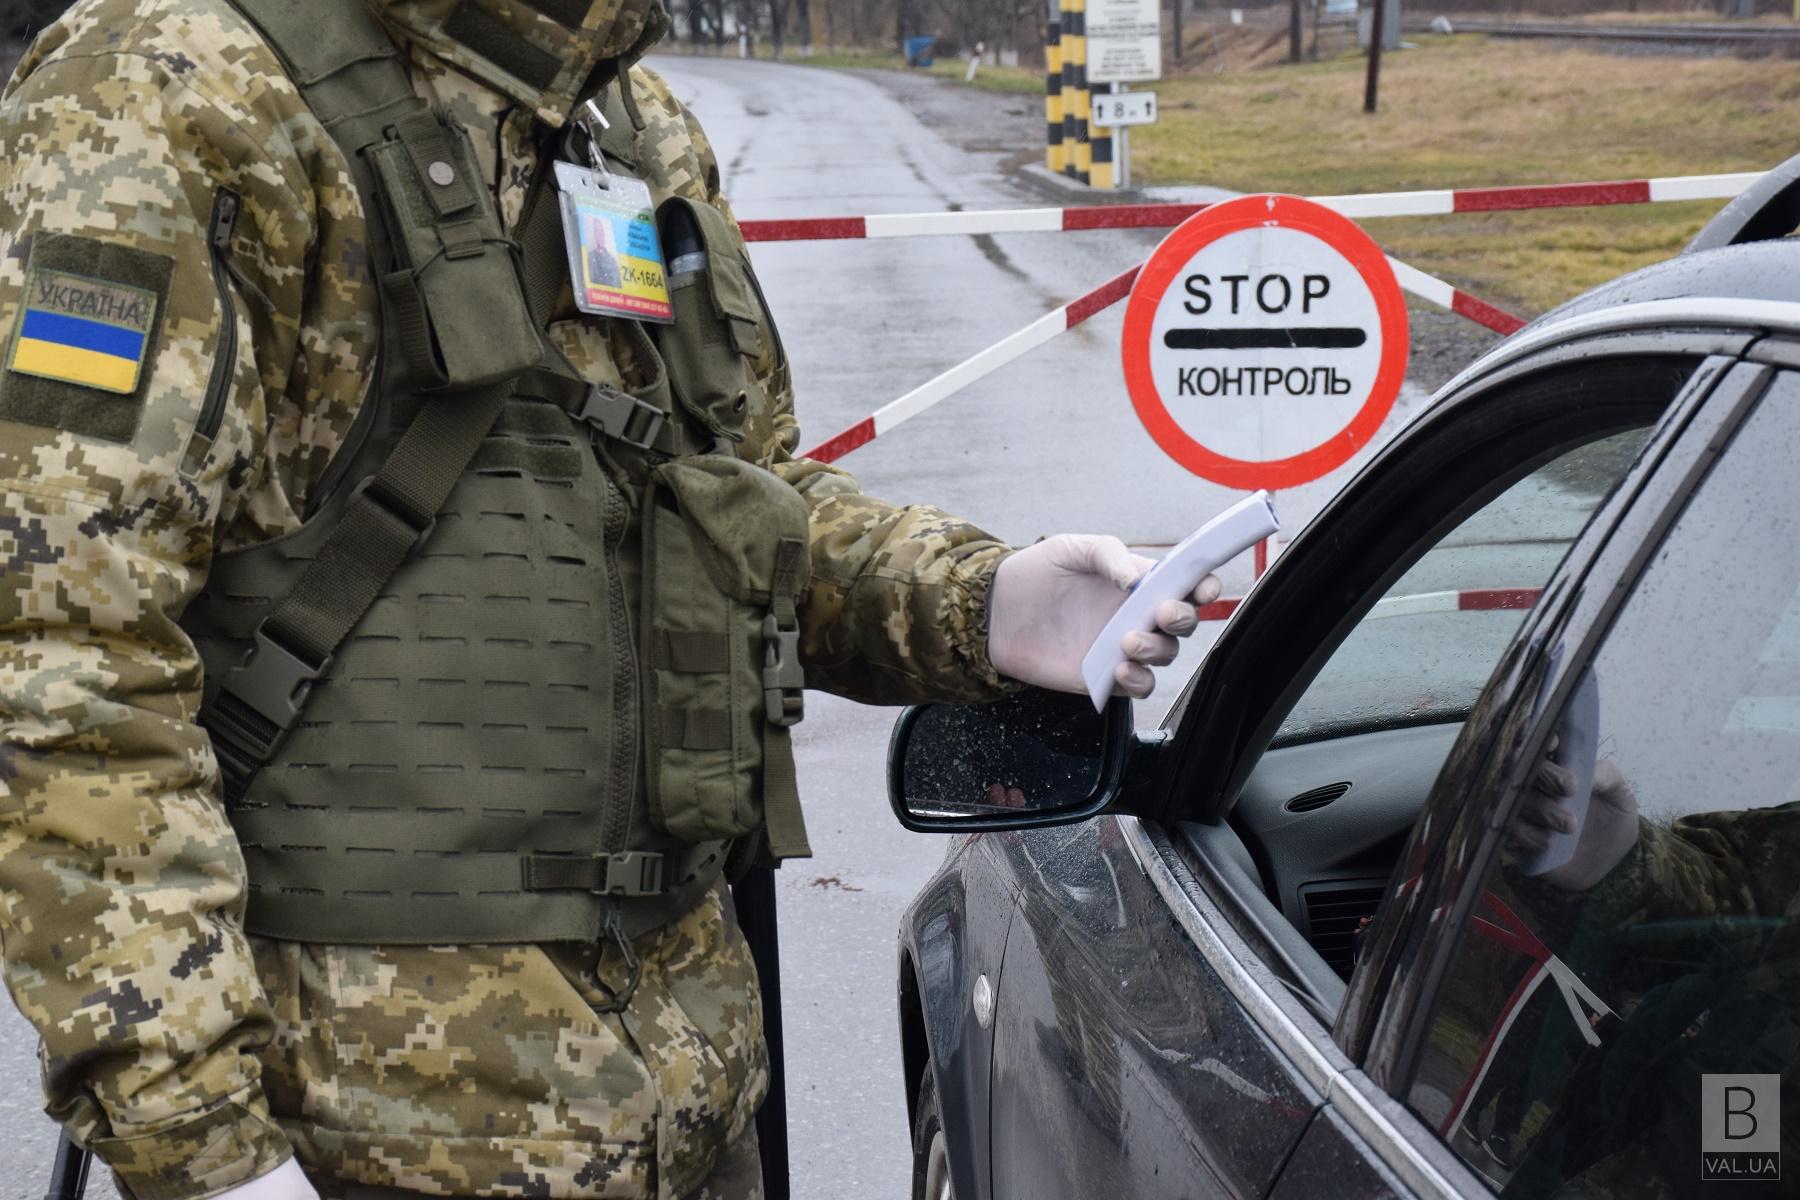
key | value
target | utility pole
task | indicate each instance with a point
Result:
(1376, 33)
(1294, 28)
(1179, 3)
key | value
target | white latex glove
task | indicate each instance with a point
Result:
(1607, 834)
(286, 1182)
(1051, 600)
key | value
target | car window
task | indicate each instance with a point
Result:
(1623, 1002)
(1426, 649)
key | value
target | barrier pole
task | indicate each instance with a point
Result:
(1054, 153)
(1103, 150)
(1077, 159)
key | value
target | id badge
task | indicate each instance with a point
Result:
(615, 257)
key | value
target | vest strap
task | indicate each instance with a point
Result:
(612, 413)
(693, 651)
(314, 50)
(782, 817)
(785, 703)
(632, 873)
(696, 728)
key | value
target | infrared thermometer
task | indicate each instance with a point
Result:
(1200, 553)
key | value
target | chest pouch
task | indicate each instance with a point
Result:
(453, 298)
(721, 328)
(725, 564)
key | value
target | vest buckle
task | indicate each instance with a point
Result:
(632, 873)
(623, 416)
(258, 702)
(628, 873)
(784, 680)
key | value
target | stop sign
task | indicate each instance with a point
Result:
(1265, 341)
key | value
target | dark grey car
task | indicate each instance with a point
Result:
(1293, 944)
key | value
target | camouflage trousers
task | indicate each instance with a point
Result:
(736, 1176)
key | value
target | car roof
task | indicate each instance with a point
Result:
(1705, 302)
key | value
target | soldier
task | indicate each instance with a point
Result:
(400, 647)
(1689, 928)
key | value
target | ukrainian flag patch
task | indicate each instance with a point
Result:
(84, 335)
(91, 332)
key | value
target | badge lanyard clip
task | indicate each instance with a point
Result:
(593, 123)
(609, 225)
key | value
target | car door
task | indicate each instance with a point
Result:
(1627, 1022)
(1162, 1028)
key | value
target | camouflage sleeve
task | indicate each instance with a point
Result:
(897, 611)
(1711, 864)
(121, 883)
(898, 607)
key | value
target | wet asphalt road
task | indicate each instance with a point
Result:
(1046, 445)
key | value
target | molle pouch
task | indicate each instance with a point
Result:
(720, 330)
(725, 564)
(454, 298)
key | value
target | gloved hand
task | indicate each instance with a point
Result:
(1051, 600)
(286, 1182)
(1607, 833)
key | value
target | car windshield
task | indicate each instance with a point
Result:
(1426, 649)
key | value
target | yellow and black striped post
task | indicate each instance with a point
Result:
(1101, 173)
(1053, 110)
(1076, 152)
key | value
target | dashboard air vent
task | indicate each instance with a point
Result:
(1333, 911)
(1319, 797)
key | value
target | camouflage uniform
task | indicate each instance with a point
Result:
(1694, 938)
(191, 1057)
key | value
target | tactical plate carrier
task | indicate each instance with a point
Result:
(437, 718)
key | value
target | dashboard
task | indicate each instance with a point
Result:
(1324, 823)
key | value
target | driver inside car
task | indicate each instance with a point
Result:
(1688, 928)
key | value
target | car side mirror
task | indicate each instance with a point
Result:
(1035, 758)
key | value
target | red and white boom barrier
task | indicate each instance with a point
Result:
(1169, 214)
(1164, 215)
(1018, 343)
(969, 370)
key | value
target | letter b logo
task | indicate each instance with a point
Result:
(1740, 1127)
(1740, 1113)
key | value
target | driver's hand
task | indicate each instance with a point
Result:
(1050, 601)
(1607, 833)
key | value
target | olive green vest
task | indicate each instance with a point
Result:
(439, 718)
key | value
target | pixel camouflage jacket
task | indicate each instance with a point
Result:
(191, 1057)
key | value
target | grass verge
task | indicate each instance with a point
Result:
(1467, 111)
(1459, 111)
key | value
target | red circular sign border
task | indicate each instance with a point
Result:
(1174, 253)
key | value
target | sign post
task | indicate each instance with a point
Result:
(1124, 46)
(1119, 110)
(1265, 342)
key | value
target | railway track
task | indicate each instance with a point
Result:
(1774, 38)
